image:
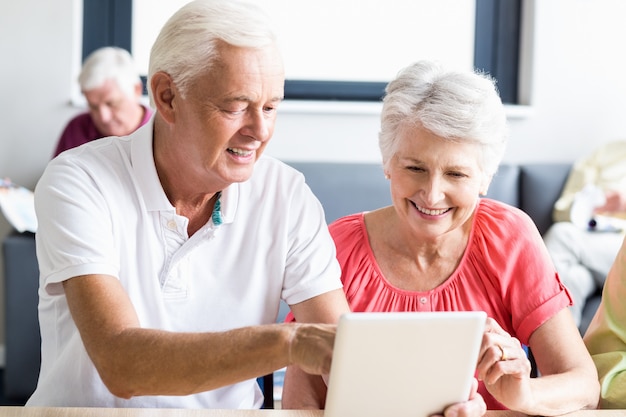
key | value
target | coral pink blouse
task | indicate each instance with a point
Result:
(505, 271)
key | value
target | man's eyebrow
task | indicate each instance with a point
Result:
(237, 98)
(247, 99)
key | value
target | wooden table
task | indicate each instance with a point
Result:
(150, 412)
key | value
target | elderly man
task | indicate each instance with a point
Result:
(164, 254)
(111, 85)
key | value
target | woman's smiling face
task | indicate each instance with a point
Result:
(435, 182)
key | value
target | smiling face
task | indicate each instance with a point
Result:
(435, 183)
(224, 122)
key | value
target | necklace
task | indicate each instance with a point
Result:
(216, 216)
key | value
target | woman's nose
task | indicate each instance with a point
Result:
(432, 191)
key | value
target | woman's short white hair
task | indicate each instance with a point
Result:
(455, 105)
(109, 63)
(186, 45)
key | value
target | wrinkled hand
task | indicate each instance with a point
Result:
(615, 202)
(504, 367)
(311, 347)
(474, 407)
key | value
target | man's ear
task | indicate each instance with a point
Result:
(163, 94)
(138, 90)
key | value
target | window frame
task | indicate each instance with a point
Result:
(497, 44)
(107, 23)
(496, 49)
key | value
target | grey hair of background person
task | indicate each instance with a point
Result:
(110, 63)
(455, 105)
(186, 45)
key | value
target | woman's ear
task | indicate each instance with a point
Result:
(163, 94)
(484, 185)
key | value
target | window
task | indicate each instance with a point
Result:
(106, 22)
(496, 27)
(496, 44)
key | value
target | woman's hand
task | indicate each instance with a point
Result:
(504, 367)
(474, 407)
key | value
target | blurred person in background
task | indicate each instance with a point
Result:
(112, 88)
(590, 218)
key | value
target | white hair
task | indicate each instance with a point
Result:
(186, 45)
(455, 105)
(109, 63)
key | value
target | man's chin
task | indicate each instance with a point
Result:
(241, 174)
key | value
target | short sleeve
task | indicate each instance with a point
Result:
(512, 257)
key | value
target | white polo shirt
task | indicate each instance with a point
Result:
(102, 210)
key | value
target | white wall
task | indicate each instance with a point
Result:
(37, 47)
(344, 40)
(574, 61)
(578, 94)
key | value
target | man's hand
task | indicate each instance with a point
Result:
(311, 347)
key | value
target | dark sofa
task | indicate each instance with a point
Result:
(343, 188)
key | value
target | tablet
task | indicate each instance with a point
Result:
(403, 364)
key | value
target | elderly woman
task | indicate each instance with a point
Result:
(441, 247)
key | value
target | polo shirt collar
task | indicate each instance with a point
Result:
(142, 159)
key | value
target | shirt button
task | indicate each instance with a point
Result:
(171, 225)
(423, 300)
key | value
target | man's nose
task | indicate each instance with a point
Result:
(258, 126)
(103, 113)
